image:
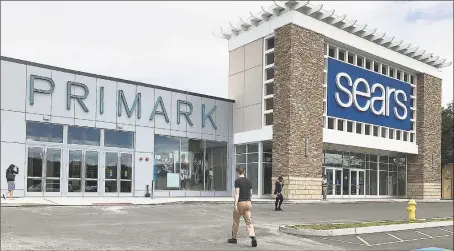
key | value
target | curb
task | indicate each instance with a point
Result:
(361, 230)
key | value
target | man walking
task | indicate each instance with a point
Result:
(278, 192)
(10, 177)
(242, 207)
(324, 186)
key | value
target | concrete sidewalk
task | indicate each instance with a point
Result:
(108, 201)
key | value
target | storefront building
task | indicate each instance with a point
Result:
(318, 94)
(79, 134)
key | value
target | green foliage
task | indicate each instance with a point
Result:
(447, 134)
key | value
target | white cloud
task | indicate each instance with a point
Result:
(171, 43)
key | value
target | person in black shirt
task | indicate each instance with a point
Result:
(278, 192)
(242, 207)
(11, 172)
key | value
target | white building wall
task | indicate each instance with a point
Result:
(51, 108)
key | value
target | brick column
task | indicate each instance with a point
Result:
(424, 169)
(298, 111)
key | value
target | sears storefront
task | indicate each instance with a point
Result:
(79, 134)
(373, 102)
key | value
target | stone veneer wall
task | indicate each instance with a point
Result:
(298, 111)
(424, 169)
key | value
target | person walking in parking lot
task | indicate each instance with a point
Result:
(324, 186)
(279, 185)
(242, 207)
(10, 177)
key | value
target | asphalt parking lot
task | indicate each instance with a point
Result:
(440, 237)
(201, 227)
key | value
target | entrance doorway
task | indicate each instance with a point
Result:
(345, 183)
(43, 171)
(118, 174)
(357, 178)
(83, 173)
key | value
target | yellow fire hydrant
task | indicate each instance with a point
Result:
(411, 209)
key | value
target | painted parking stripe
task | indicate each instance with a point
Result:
(428, 236)
(395, 237)
(431, 249)
(446, 230)
(363, 241)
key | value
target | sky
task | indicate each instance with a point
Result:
(171, 43)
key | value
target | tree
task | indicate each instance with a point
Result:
(447, 134)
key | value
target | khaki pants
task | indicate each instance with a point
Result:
(244, 209)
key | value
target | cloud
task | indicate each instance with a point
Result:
(171, 43)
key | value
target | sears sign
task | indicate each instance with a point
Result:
(360, 95)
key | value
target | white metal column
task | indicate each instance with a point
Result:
(260, 171)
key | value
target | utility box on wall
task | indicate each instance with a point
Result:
(447, 182)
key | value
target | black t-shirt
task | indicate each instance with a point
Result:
(245, 187)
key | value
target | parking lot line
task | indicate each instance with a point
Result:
(429, 236)
(446, 230)
(363, 241)
(395, 237)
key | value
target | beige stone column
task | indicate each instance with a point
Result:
(424, 169)
(298, 111)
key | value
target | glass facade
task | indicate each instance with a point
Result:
(190, 164)
(361, 174)
(247, 156)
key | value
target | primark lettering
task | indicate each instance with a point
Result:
(184, 108)
(383, 98)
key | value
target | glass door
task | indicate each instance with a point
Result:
(83, 170)
(334, 177)
(118, 174)
(43, 171)
(357, 183)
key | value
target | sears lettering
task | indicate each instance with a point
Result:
(382, 98)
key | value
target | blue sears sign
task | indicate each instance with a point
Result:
(360, 95)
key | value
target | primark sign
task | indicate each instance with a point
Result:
(357, 94)
(184, 108)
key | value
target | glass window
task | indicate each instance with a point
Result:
(375, 131)
(269, 58)
(269, 73)
(367, 129)
(397, 134)
(357, 160)
(373, 182)
(270, 43)
(126, 173)
(167, 156)
(84, 136)
(330, 123)
(391, 72)
(376, 66)
(120, 139)
(373, 158)
(384, 69)
(240, 149)
(373, 166)
(402, 181)
(359, 61)
(241, 158)
(332, 51)
(333, 158)
(44, 132)
(253, 148)
(368, 64)
(268, 104)
(398, 74)
(383, 132)
(349, 126)
(216, 173)
(359, 128)
(383, 182)
(340, 125)
(342, 55)
(391, 133)
(269, 119)
(269, 89)
(252, 173)
(350, 58)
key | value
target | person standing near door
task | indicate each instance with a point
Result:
(11, 173)
(278, 186)
(324, 186)
(242, 207)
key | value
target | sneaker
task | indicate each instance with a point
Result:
(279, 209)
(276, 209)
(254, 241)
(232, 240)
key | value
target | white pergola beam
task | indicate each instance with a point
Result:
(395, 43)
(348, 24)
(326, 15)
(410, 50)
(425, 56)
(439, 62)
(445, 64)
(338, 20)
(378, 36)
(315, 9)
(431, 60)
(386, 40)
(418, 53)
(359, 28)
(369, 32)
